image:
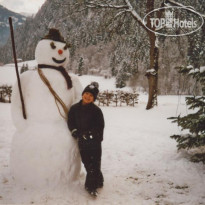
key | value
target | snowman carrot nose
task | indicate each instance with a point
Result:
(60, 51)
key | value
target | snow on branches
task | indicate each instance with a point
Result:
(151, 71)
(174, 3)
(105, 4)
(127, 7)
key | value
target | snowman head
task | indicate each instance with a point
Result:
(52, 50)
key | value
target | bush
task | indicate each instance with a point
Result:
(117, 98)
(5, 93)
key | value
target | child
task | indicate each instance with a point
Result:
(86, 123)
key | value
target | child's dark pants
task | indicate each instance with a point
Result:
(91, 151)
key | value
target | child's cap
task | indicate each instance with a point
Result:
(93, 89)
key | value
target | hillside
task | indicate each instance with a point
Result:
(18, 20)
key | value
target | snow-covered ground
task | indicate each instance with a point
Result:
(140, 162)
(8, 73)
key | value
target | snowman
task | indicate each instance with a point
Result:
(43, 152)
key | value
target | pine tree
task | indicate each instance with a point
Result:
(194, 122)
(113, 65)
(81, 66)
(122, 76)
(24, 68)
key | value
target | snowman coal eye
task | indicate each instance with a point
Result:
(52, 45)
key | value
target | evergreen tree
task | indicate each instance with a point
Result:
(81, 66)
(194, 122)
(24, 68)
(123, 75)
(113, 65)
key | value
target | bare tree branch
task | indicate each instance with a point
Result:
(134, 13)
(176, 3)
(127, 8)
(120, 13)
(183, 6)
(92, 4)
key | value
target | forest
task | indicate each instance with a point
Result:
(107, 40)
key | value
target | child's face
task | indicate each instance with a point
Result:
(87, 98)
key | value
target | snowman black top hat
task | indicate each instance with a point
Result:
(54, 34)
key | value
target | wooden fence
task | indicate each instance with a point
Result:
(117, 98)
(105, 98)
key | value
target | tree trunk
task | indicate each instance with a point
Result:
(152, 74)
(152, 100)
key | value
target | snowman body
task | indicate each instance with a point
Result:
(43, 151)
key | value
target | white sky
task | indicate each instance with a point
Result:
(19, 6)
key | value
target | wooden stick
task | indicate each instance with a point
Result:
(16, 66)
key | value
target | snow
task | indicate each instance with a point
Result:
(140, 162)
(43, 153)
(8, 73)
(196, 70)
(190, 66)
(202, 69)
(151, 71)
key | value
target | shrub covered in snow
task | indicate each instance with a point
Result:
(5, 93)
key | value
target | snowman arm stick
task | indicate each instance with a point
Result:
(16, 66)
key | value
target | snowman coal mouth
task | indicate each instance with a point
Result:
(59, 61)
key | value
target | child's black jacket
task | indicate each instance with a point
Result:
(87, 120)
